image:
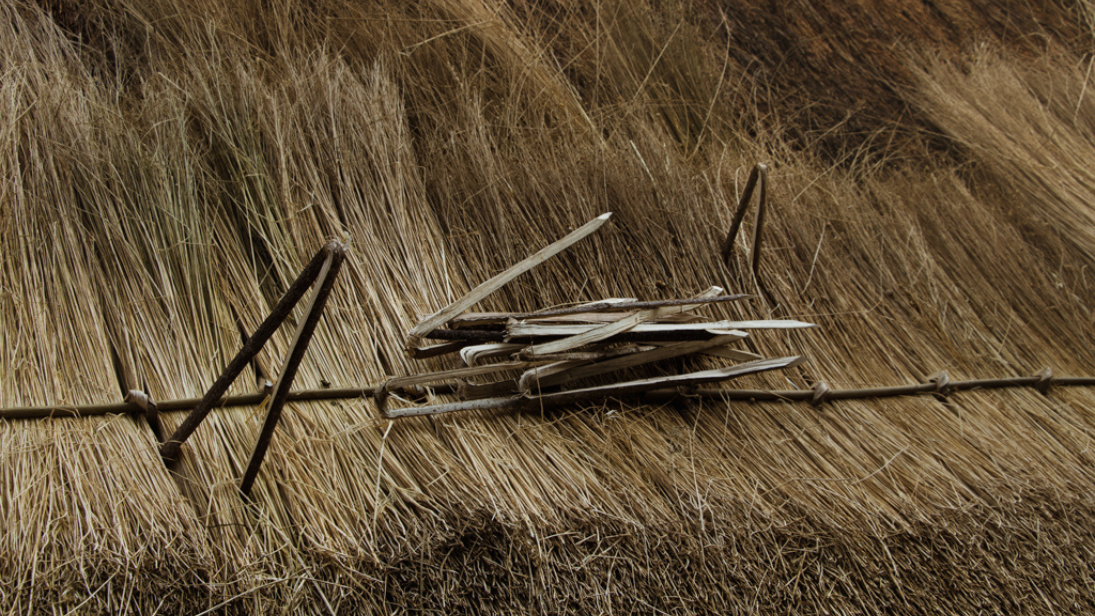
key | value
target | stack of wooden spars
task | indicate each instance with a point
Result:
(544, 354)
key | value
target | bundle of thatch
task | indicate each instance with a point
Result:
(171, 166)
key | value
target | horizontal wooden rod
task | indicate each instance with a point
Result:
(186, 404)
(790, 395)
(796, 395)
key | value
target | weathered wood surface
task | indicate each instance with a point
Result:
(480, 292)
(598, 352)
(678, 380)
(456, 373)
(578, 372)
(669, 333)
(522, 329)
(597, 318)
(473, 355)
(597, 333)
(436, 350)
(477, 319)
(723, 352)
(451, 407)
(544, 374)
(595, 393)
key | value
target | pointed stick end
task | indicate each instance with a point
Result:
(729, 332)
(335, 247)
(412, 342)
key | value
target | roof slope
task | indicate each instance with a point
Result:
(173, 166)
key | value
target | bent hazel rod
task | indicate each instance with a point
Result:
(289, 372)
(170, 448)
(348, 393)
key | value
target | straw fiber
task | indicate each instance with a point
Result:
(170, 166)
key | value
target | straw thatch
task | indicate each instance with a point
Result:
(171, 165)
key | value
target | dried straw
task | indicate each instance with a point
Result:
(173, 165)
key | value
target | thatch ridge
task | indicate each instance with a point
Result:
(175, 164)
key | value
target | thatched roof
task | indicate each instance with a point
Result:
(170, 166)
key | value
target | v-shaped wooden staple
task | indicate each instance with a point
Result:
(758, 176)
(321, 271)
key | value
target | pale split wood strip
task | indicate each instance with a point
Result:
(609, 303)
(598, 352)
(574, 372)
(679, 380)
(479, 318)
(638, 335)
(565, 362)
(723, 352)
(596, 318)
(474, 319)
(537, 330)
(594, 393)
(477, 294)
(601, 332)
(457, 373)
(632, 304)
(547, 373)
(476, 391)
(474, 354)
(766, 324)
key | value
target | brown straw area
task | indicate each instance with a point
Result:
(171, 164)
